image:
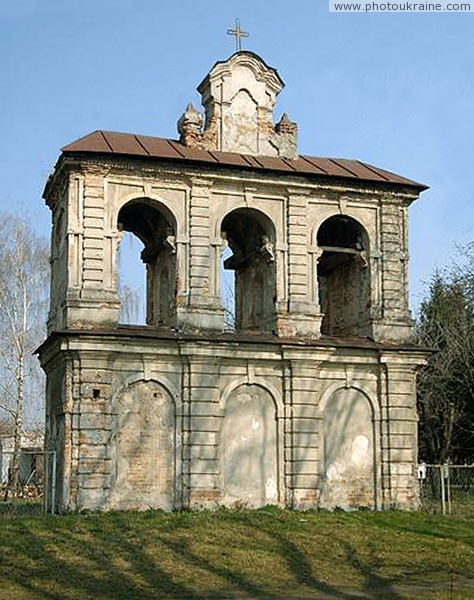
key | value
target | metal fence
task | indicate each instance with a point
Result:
(447, 489)
(28, 499)
(444, 489)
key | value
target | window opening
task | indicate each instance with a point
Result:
(250, 237)
(343, 277)
(154, 226)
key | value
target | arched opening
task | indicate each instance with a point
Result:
(344, 277)
(155, 227)
(143, 448)
(248, 448)
(349, 468)
(250, 235)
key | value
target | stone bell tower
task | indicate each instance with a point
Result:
(310, 399)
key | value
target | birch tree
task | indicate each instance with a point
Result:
(24, 285)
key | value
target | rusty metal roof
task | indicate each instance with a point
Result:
(127, 144)
(146, 332)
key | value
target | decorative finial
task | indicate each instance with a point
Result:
(190, 126)
(238, 34)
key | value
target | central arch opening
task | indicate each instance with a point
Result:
(249, 448)
(250, 236)
(344, 277)
(154, 225)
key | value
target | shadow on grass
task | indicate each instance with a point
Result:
(423, 525)
(145, 557)
(303, 572)
(108, 566)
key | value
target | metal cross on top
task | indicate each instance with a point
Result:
(239, 34)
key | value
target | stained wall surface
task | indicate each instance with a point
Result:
(200, 422)
(349, 471)
(142, 448)
(248, 443)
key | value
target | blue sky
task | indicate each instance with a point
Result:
(395, 90)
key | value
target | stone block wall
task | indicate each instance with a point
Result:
(203, 423)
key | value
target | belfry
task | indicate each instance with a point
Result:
(309, 399)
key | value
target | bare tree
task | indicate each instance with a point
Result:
(24, 286)
(131, 305)
(446, 384)
(227, 290)
(131, 293)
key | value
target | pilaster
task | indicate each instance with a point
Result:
(302, 317)
(203, 310)
(202, 438)
(399, 423)
(302, 440)
(92, 298)
(395, 322)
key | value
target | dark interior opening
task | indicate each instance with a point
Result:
(154, 226)
(344, 277)
(250, 235)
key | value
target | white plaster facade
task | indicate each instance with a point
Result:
(311, 402)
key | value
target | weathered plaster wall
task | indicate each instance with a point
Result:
(248, 448)
(205, 423)
(142, 448)
(349, 450)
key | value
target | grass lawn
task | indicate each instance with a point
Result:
(237, 554)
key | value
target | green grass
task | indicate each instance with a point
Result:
(462, 506)
(237, 554)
